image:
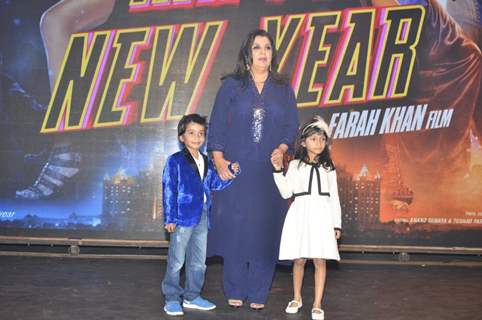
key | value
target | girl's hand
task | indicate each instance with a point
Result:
(221, 165)
(278, 153)
(337, 234)
(277, 164)
(170, 227)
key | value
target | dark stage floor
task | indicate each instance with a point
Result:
(75, 288)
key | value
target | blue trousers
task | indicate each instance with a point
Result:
(187, 244)
(250, 281)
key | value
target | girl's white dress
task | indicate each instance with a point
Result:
(309, 227)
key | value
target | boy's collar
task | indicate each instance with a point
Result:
(192, 163)
(188, 153)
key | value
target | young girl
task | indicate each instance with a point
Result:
(313, 223)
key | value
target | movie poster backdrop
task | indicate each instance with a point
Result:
(91, 92)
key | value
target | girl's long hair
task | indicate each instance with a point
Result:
(324, 158)
(245, 59)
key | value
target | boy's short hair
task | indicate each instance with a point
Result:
(187, 119)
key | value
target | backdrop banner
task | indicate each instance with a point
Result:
(91, 92)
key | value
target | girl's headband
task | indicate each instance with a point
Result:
(319, 123)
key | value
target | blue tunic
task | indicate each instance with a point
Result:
(246, 126)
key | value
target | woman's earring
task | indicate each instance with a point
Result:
(269, 68)
(247, 66)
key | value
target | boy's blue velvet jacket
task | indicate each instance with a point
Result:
(183, 189)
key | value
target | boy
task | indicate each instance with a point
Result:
(187, 181)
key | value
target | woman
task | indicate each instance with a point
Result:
(254, 118)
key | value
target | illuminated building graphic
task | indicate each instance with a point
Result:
(131, 203)
(359, 198)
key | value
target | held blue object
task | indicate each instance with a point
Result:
(234, 172)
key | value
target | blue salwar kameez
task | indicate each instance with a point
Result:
(247, 217)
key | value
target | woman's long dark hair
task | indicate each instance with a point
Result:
(301, 153)
(245, 59)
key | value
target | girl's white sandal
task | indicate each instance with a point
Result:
(293, 306)
(317, 314)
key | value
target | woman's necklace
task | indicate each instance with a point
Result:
(259, 83)
(264, 76)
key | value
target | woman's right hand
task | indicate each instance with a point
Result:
(221, 165)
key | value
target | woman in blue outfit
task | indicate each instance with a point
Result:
(254, 117)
